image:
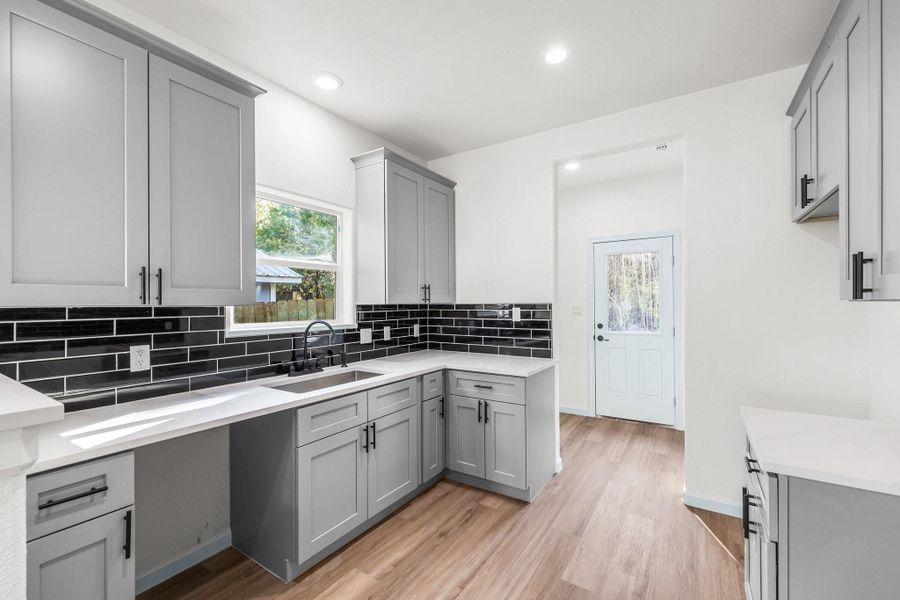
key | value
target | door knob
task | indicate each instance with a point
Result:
(600, 338)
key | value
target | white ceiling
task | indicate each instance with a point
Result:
(439, 77)
(623, 165)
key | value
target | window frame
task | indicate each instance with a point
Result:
(342, 267)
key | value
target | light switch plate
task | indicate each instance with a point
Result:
(517, 314)
(140, 358)
(387, 332)
(365, 336)
(577, 311)
(416, 330)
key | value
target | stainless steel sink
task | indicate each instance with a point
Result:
(326, 381)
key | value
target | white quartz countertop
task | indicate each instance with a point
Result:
(21, 406)
(97, 432)
(850, 452)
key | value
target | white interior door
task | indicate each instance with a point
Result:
(633, 332)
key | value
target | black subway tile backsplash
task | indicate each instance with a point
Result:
(80, 355)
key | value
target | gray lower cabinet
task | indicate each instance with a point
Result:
(84, 562)
(331, 485)
(433, 427)
(466, 436)
(504, 443)
(393, 456)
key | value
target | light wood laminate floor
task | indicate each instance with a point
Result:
(610, 526)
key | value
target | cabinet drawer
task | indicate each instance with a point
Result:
(763, 489)
(69, 496)
(321, 420)
(432, 385)
(487, 387)
(393, 397)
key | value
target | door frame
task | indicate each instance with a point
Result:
(675, 234)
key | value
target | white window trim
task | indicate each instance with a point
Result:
(343, 266)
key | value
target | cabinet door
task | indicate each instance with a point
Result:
(393, 458)
(466, 433)
(828, 125)
(432, 438)
(887, 90)
(73, 161)
(440, 243)
(202, 197)
(332, 489)
(403, 208)
(857, 214)
(801, 145)
(504, 443)
(84, 562)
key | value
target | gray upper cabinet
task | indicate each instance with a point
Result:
(201, 189)
(465, 430)
(405, 239)
(433, 420)
(405, 267)
(84, 562)
(73, 160)
(116, 163)
(439, 243)
(826, 104)
(331, 485)
(393, 458)
(504, 443)
(801, 147)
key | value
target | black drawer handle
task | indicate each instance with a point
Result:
(94, 490)
(442, 407)
(484, 387)
(373, 436)
(127, 546)
(485, 411)
(479, 411)
(366, 445)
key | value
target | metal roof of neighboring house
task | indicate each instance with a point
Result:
(270, 273)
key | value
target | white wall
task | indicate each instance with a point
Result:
(644, 204)
(763, 324)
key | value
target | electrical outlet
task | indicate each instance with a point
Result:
(387, 332)
(416, 330)
(140, 358)
(577, 311)
(365, 336)
(517, 314)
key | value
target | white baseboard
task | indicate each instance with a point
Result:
(576, 411)
(187, 560)
(718, 505)
(559, 464)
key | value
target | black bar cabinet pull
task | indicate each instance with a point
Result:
(159, 285)
(804, 190)
(442, 407)
(428, 290)
(78, 496)
(143, 295)
(485, 411)
(366, 445)
(127, 546)
(479, 411)
(750, 462)
(424, 293)
(859, 260)
(484, 387)
(373, 436)
(745, 514)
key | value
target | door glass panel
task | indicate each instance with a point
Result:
(633, 292)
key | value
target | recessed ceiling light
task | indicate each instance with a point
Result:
(556, 55)
(571, 166)
(327, 81)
